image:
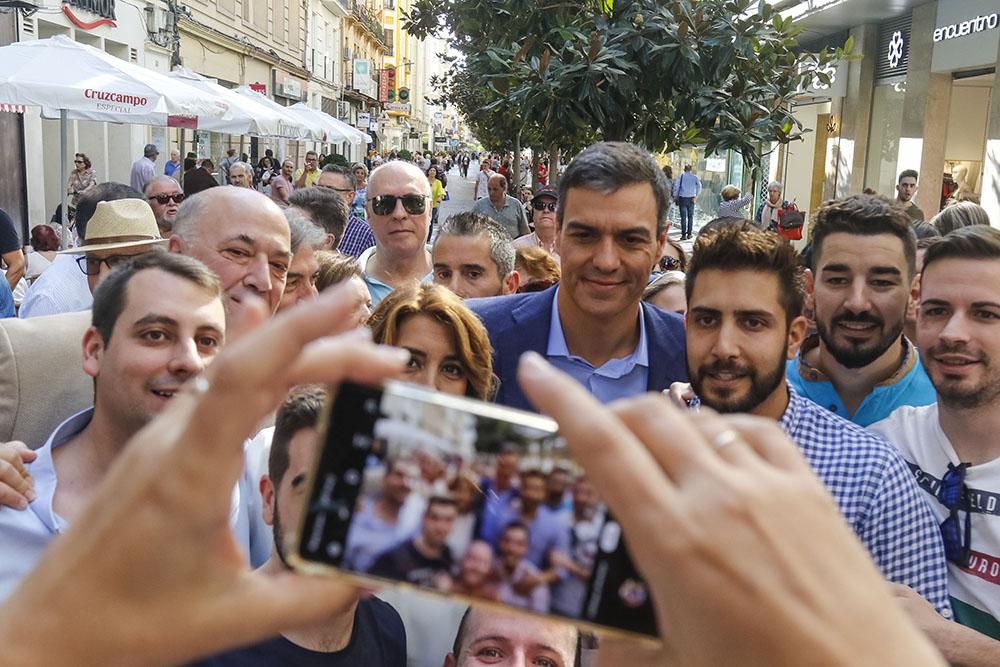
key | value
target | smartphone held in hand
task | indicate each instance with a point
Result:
(463, 498)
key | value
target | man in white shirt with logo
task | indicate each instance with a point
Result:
(953, 446)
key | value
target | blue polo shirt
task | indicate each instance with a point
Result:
(908, 386)
(616, 378)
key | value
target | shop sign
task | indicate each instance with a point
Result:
(837, 87)
(362, 80)
(102, 8)
(364, 120)
(966, 35)
(383, 85)
(259, 88)
(401, 107)
(893, 48)
(717, 164)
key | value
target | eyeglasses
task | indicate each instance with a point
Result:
(542, 206)
(163, 199)
(77, 161)
(91, 266)
(668, 263)
(330, 187)
(386, 204)
(957, 534)
(536, 286)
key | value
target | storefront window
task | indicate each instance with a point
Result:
(883, 141)
(716, 171)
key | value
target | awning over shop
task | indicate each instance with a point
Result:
(334, 128)
(290, 126)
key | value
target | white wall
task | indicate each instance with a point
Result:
(967, 118)
(797, 178)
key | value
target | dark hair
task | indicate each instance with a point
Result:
(517, 525)
(749, 248)
(682, 256)
(907, 173)
(863, 215)
(87, 206)
(961, 214)
(974, 242)
(925, 230)
(668, 170)
(718, 223)
(324, 207)
(43, 238)
(110, 296)
(532, 472)
(338, 169)
(334, 268)
(472, 224)
(300, 410)
(609, 166)
(85, 159)
(456, 647)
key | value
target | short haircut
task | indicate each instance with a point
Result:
(925, 230)
(313, 153)
(609, 166)
(532, 472)
(303, 232)
(730, 192)
(775, 185)
(334, 268)
(974, 242)
(538, 263)
(336, 169)
(472, 224)
(43, 238)
(863, 215)
(517, 525)
(150, 150)
(749, 248)
(156, 180)
(907, 173)
(241, 165)
(300, 410)
(439, 500)
(442, 305)
(456, 647)
(662, 282)
(324, 206)
(497, 178)
(87, 205)
(110, 295)
(962, 214)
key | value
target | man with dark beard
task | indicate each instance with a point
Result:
(860, 365)
(952, 446)
(370, 631)
(745, 292)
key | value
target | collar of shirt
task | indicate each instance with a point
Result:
(43, 469)
(613, 368)
(813, 374)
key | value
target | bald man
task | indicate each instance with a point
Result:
(243, 236)
(399, 212)
(503, 208)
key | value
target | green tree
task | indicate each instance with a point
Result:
(663, 73)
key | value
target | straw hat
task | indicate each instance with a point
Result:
(123, 223)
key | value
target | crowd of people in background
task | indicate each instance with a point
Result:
(873, 346)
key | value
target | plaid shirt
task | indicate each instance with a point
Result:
(877, 495)
(357, 238)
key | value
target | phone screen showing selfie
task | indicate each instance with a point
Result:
(464, 498)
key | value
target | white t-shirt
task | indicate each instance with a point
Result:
(975, 590)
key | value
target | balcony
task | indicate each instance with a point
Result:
(370, 21)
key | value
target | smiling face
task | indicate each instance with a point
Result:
(399, 233)
(477, 565)
(300, 284)
(738, 340)
(434, 359)
(958, 331)
(860, 298)
(608, 246)
(243, 237)
(499, 639)
(513, 546)
(168, 331)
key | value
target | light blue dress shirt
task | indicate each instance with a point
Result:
(617, 378)
(687, 185)
(24, 535)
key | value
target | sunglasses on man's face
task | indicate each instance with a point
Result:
(162, 200)
(668, 263)
(544, 206)
(386, 204)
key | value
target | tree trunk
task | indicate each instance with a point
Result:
(514, 188)
(553, 164)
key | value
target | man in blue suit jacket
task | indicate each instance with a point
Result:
(612, 214)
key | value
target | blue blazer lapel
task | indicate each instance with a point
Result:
(667, 352)
(531, 320)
